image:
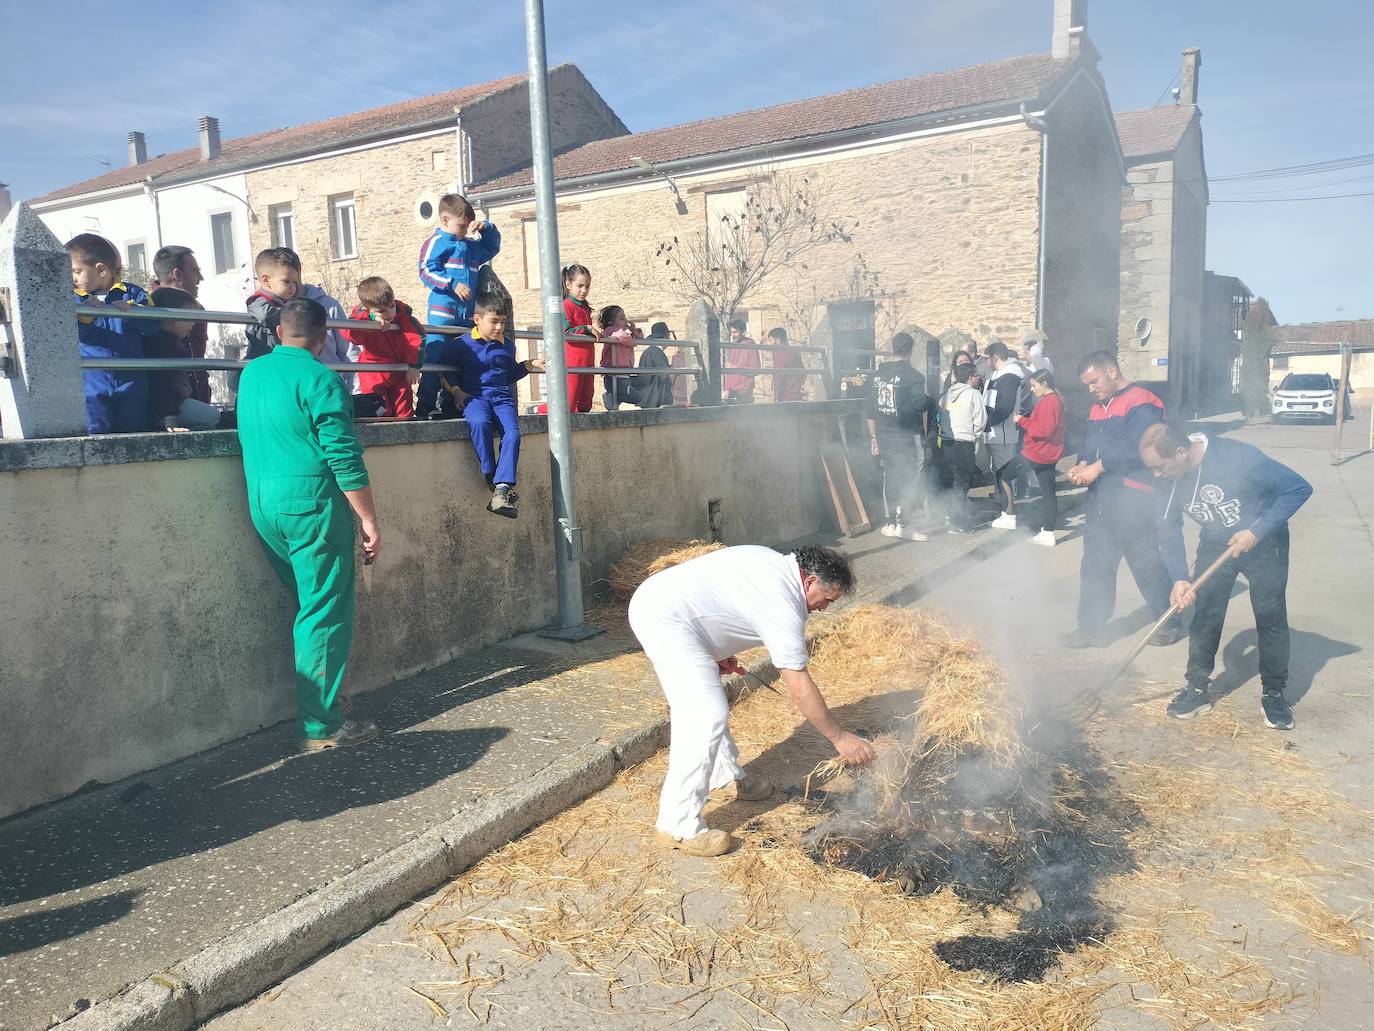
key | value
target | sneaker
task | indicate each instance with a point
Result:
(1278, 714)
(1005, 521)
(491, 484)
(888, 530)
(955, 528)
(611, 403)
(908, 533)
(349, 733)
(1083, 639)
(752, 787)
(1191, 701)
(1045, 538)
(503, 501)
(707, 844)
(1169, 633)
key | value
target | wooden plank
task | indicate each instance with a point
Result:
(844, 492)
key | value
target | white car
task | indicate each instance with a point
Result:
(1308, 395)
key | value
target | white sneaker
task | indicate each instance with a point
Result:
(888, 530)
(1005, 521)
(909, 534)
(1045, 538)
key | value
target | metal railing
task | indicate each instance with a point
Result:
(827, 377)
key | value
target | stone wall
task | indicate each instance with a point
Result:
(950, 223)
(1189, 260)
(1147, 226)
(142, 623)
(1083, 230)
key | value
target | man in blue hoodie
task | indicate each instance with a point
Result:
(483, 393)
(1242, 500)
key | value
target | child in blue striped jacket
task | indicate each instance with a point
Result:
(449, 261)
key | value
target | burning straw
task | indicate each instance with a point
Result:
(643, 559)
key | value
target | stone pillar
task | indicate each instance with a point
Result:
(41, 395)
(702, 326)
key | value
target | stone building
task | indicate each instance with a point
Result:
(987, 199)
(1225, 303)
(1164, 244)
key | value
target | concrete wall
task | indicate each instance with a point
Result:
(1189, 261)
(142, 623)
(1082, 228)
(949, 220)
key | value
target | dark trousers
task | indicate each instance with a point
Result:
(902, 456)
(1120, 524)
(619, 391)
(962, 468)
(1047, 514)
(1265, 567)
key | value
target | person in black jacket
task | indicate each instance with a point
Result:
(898, 408)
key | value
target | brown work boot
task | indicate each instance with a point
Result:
(707, 844)
(350, 733)
(752, 787)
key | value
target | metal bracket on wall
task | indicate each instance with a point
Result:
(572, 539)
(8, 368)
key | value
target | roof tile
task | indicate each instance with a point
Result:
(1016, 78)
(1153, 130)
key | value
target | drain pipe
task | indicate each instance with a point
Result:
(1043, 128)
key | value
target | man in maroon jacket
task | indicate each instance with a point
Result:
(176, 266)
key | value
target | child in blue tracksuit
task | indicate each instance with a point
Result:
(483, 391)
(116, 401)
(449, 262)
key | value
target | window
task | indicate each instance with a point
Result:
(343, 226)
(222, 233)
(138, 256)
(724, 216)
(283, 225)
(438, 160)
(529, 229)
(1280, 362)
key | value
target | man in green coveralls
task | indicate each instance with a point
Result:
(306, 479)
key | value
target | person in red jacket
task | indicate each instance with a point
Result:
(1042, 447)
(577, 319)
(400, 343)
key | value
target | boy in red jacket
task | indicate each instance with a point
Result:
(1042, 447)
(400, 343)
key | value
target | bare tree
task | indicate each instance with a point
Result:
(783, 219)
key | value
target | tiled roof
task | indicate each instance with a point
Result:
(275, 144)
(1307, 337)
(1154, 130)
(1018, 78)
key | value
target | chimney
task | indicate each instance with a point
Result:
(1070, 22)
(209, 138)
(1192, 61)
(138, 148)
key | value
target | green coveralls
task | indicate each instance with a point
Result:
(300, 452)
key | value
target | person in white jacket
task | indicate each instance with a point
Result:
(962, 419)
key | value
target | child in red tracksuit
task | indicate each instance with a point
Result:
(1042, 447)
(577, 319)
(400, 343)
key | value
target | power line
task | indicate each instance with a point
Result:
(1177, 76)
(1290, 200)
(1335, 165)
(1309, 186)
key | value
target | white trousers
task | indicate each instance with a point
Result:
(702, 755)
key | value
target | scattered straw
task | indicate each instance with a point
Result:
(643, 559)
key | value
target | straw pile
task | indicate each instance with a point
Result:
(643, 559)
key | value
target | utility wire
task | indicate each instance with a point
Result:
(1290, 200)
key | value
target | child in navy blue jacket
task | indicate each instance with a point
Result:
(483, 392)
(450, 260)
(1241, 500)
(116, 401)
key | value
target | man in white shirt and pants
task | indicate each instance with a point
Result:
(691, 620)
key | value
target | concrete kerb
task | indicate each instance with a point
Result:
(250, 961)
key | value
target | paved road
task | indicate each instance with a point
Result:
(1209, 886)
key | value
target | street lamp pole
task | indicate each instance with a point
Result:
(567, 533)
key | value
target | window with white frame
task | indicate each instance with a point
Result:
(138, 255)
(529, 229)
(343, 225)
(283, 225)
(222, 235)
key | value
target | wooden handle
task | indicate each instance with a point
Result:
(1173, 611)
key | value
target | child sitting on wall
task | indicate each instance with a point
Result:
(617, 334)
(171, 405)
(483, 393)
(400, 342)
(116, 400)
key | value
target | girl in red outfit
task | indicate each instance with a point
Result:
(399, 344)
(1042, 447)
(577, 318)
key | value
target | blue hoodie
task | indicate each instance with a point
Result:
(1235, 487)
(447, 259)
(486, 368)
(116, 401)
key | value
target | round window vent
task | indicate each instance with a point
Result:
(425, 210)
(1142, 330)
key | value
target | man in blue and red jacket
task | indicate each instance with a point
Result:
(1120, 504)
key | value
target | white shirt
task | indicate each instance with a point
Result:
(735, 599)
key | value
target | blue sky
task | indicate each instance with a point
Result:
(1281, 85)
